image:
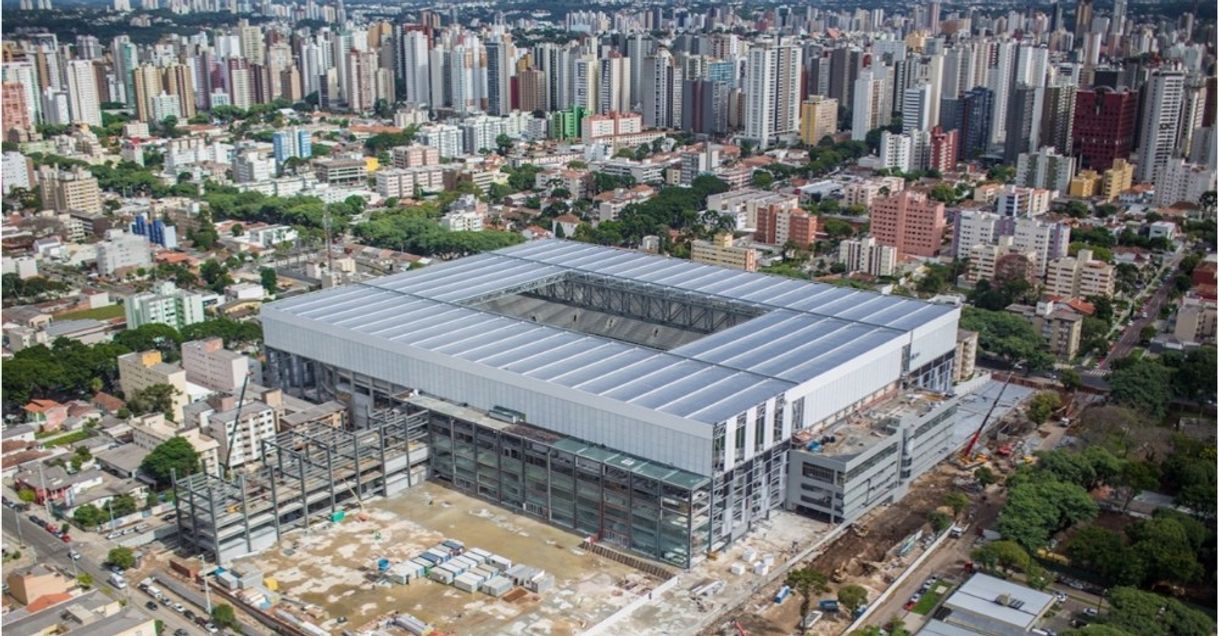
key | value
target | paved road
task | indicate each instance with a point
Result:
(1132, 334)
(52, 551)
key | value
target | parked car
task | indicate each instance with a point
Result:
(150, 605)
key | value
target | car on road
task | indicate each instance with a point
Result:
(179, 608)
(180, 632)
(211, 628)
(74, 555)
(200, 620)
(1091, 611)
(190, 616)
(1061, 597)
(37, 520)
(151, 605)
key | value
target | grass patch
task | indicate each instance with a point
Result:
(101, 313)
(930, 599)
(70, 438)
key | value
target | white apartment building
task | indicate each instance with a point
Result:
(443, 137)
(864, 192)
(1046, 169)
(166, 304)
(1015, 201)
(1080, 276)
(403, 182)
(18, 171)
(1180, 181)
(208, 363)
(250, 167)
(463, 221)
(865, 255)
(121, 251)
(241, 438)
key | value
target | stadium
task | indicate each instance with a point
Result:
(649, 402)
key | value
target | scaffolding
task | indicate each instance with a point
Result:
(306, 474)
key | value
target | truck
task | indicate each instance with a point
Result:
(117, 580)
(828, 605)
(958, 531)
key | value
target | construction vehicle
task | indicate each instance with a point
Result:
(966, 456)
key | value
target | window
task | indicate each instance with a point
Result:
(759, 428)
(797, 414)
(740, 428)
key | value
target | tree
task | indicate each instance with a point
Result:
(121, 557)
(1071, 379)
(984, 476)
(84, 580)
(88, 516)
(762, 179)
(957, 501)
(1042, 405)
(27, 495)
(1105, 553)
(852, 597)
(1005, 556)
(156, 398)
(270, 280)
(215, 274)
(237, 229)
(1148, 614)
(173, 456)
(1168, 547)
(939, 521)
(1039, 507)
(224, 616)
(806, 580)
(1133, 478)
(1142, 384)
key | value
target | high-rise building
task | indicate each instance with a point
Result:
(83, 100)
(361, 78)
(585, 79)
(976, 110)
(909, 221)
(613, 92)
(166, 304)
(660, 90)
(817, 119)
(1084, 14)
(1045, 169)
(498, 73)
(772, 92)
(16, 115)
(944, 150)
(872, 101)
(780, 225)
(1000, 83)
(1020, 120)
(416, 80)
(1056, 127)
(1160, 123)
(916, 109)
(531, 90)
(22, 74)
(146, 84)
(72, 190)
(1104, 124)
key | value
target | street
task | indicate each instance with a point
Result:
(54, 552)
(1133, 333)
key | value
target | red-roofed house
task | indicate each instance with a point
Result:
(46, 414)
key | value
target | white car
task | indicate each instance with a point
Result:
(74, 555)
(178, 607)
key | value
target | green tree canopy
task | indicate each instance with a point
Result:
(121, 557)
(173, 456)
(1147, 614)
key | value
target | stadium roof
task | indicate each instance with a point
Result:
(802, 331)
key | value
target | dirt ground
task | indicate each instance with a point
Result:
(332, 568)
(865, 555)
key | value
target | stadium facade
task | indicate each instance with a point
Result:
(655, 404)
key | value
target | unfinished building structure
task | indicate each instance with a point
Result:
(307, 473)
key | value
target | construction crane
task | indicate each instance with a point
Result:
(967, 454)
(228, 452)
